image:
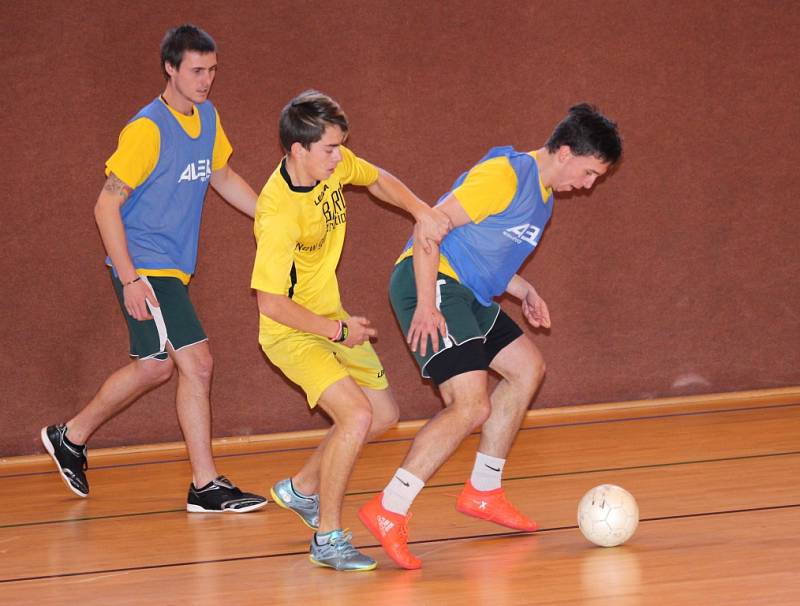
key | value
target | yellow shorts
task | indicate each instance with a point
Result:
(315, 363)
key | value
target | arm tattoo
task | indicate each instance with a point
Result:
(115, 186)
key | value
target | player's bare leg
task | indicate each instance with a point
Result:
(351, 412)
(118, 392)
(209, 492)
(385, 414)
(522, 367)
(66, 444)
(467, 406)
(195, 367)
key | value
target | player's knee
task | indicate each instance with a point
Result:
(481, 414)
(384, 419)
(205, 367)
(358, 420)
(475, 410)
(469, 400)
(156, 372)
(394, 418)
(537, 370)
(199, 367)
(528, 373)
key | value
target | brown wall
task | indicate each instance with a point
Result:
(677, 275)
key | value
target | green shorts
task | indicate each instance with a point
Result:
(174, 321)
(475, 333)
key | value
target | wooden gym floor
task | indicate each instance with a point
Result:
(717, 479)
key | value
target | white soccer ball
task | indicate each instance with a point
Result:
(608, 515)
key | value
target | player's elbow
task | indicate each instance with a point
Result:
(103, 207)
(220, 176)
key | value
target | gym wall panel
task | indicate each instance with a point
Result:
(676, 275)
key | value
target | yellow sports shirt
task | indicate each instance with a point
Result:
(300, 233)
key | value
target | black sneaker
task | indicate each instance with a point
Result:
(221, 495)
(69, 458)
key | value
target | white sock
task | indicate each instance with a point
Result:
(401, 491)
(487, 473)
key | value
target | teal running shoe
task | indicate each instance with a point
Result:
(307, 508)
(338, 553)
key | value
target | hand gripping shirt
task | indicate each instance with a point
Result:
(300, 232)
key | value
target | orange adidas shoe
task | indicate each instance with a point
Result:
(391, 529)
(492, 505)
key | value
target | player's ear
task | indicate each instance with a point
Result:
(169, 68)
(564, 153)
(297, 149)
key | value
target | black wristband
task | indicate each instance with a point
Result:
(343, 334)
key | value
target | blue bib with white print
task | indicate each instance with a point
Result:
(485, 256)
(162, 216)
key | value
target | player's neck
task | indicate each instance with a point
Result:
(299, 177)
(547, 166)
(176, 101)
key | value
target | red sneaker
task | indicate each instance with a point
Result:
(391, 529)
(492, 505)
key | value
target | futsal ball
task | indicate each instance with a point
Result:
(608, 515)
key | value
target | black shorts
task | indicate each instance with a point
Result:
(475, 354)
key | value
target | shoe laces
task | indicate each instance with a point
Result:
(340, 541)
(226, 484)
